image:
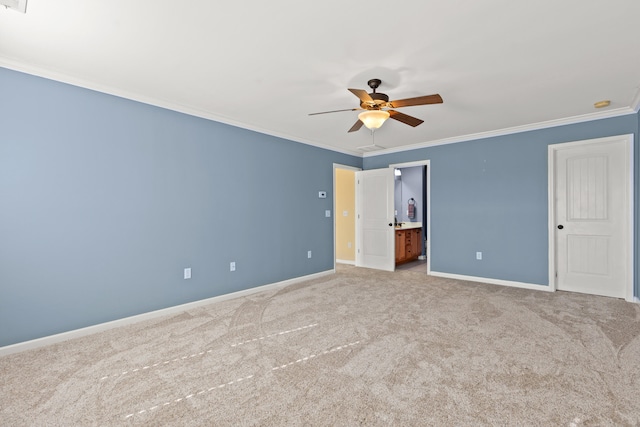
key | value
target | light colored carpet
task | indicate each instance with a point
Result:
(360, 347)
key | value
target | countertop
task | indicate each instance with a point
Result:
(409, 225)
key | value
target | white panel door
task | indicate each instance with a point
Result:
(374, 219)
(592, 218)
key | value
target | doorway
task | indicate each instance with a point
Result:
(344, 223)
(590, 212)
(411, 209)
(379, 249)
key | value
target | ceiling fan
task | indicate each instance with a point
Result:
(377, 107)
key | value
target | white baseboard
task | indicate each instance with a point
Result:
(500, 282)
(344, 261)
(64, 336)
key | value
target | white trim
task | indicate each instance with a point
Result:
(551, 216)
(427, 163)
(157, 102)
(551, 150)
(500, 282)
(631, 225)
(89, 330)
(410, 164)
(510, 131)
(76, 81)
(344, 261)
(635, 103)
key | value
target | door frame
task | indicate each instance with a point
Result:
(427, 190)
(552, 149)
(335, 214)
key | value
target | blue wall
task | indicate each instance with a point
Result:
(104, 201)
(490, 195)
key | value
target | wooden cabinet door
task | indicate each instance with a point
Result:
(415, 243)
(408, 239)
(400, 246)
(408, 245)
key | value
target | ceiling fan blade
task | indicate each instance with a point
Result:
(335, 111)
(362, 94)
(411, 121)
(356, 126)
(420, 100)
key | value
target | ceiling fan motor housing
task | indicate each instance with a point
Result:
(379, 101)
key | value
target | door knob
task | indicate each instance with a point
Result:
(560, 227)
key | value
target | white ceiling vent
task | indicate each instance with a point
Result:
(372, 147)
(19, 5)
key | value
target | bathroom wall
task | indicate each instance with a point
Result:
(409, 185)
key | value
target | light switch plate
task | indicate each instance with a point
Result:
(327, 213)
(187, 273)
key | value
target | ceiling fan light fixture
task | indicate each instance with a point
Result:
(373, 119)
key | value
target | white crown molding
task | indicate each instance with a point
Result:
(156, 102)
(510, 131)
(75, 81)
(635, 103)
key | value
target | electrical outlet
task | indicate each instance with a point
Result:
(478, 255)
(232, 266)
(327, 213)
(345, 213)
(309, 254)
(187, 273)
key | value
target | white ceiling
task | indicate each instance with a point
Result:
(500, 65)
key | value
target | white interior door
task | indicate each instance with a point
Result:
(374, 219)
(592, 218)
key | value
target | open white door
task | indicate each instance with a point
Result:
(374, 219)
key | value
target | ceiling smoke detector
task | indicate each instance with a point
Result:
(19, 5)
(602, 104)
